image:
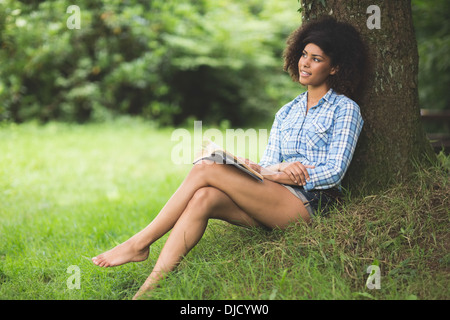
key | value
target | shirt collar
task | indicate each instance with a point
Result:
(329, 97)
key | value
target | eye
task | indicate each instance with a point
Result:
(317, 60)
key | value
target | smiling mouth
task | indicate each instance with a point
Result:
(305, 74)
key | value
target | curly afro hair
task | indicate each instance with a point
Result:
(338, 40)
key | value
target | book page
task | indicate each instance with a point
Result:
(212, 151)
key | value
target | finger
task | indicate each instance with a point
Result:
(303, 170)
(296, 175)
(299, 175)
(305, 174)
(302, 178)
(291, 175)
(255, 167)
(243, 160)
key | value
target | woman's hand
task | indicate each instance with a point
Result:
(251, 164)
(286, 172)
(296, 171)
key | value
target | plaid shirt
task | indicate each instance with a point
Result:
(325, 137)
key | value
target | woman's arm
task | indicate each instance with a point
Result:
(274, 168)
(293, 173)
(278, 177)
(288, 173)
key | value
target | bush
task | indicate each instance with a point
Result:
(433, 38)
(164, 60)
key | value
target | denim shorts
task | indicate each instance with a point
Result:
(316, 201)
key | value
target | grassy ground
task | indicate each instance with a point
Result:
(68, 193)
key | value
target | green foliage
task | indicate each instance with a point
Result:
(164, 60)
(170, 60)
(432, 26)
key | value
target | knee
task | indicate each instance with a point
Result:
(205, 197)
(204, 169)
(204, 201)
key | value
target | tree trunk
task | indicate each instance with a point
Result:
(393, 138)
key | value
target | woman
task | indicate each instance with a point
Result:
(310, 147)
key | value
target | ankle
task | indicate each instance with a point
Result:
(139, 245)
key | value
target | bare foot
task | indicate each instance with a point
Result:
(143, 289)
(123, 253)
(149, 284)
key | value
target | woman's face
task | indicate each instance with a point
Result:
(314, 67)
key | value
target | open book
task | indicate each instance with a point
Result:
(211, 151)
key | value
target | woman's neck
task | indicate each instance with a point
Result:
(315, 94)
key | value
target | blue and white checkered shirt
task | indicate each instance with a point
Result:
(325, 137)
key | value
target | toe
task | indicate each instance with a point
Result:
(97, 261)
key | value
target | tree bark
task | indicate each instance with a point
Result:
(393, 139)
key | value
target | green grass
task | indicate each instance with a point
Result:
(69, 192)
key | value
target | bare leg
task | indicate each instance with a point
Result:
(206, 203)
(212, 202)
(136, 248)
(256, 203)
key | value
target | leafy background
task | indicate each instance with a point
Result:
(171, 61)
(163, 60)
